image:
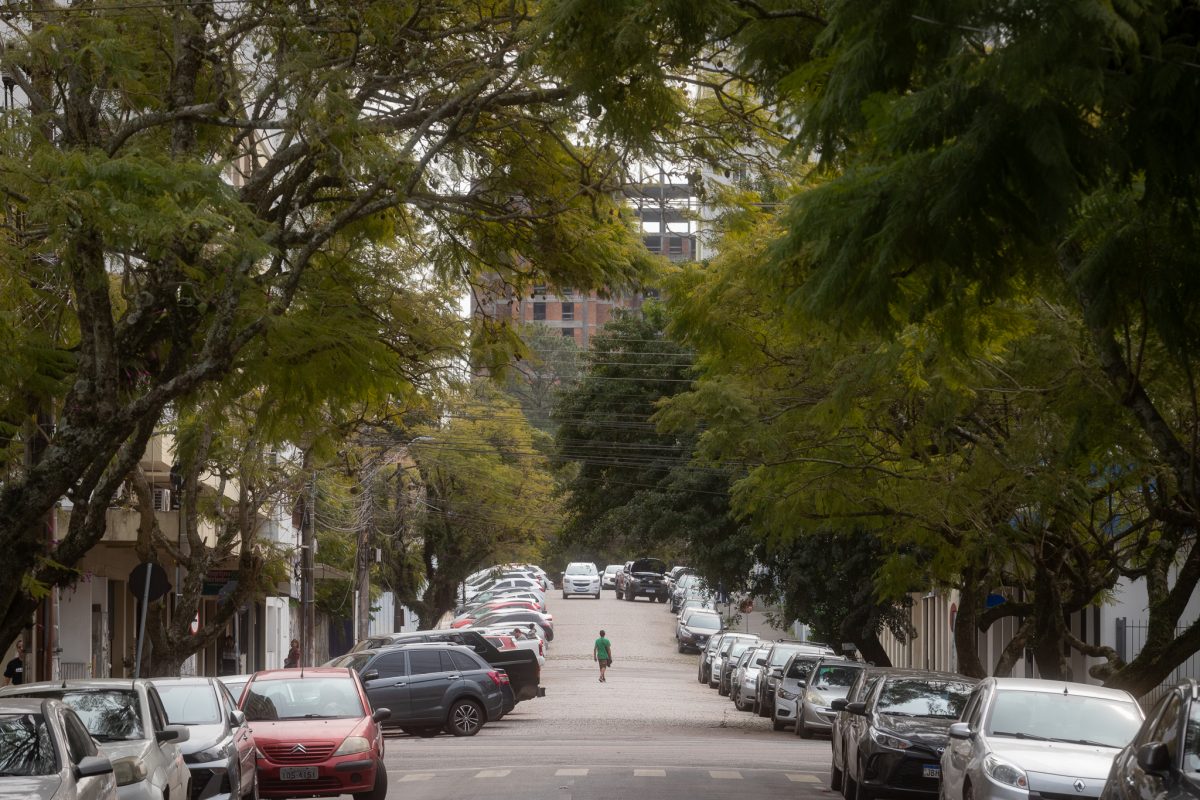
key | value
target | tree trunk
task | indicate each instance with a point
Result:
(1013, 650)
(966, 626)
(1049, 627)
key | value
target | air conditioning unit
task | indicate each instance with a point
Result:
(162, 499)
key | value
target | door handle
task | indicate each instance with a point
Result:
(455, 676)
(400, 683)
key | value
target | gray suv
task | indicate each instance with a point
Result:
(430, 687)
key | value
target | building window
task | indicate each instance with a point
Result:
(675, 246)
(539, 311)
(568, 332)
(568, 311)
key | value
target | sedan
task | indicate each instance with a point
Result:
(127, 719)
(49, 754)
(1154, 764)
(220, 749)
(903, 726)
(1019, 736)
(695, 627)
(316, 734)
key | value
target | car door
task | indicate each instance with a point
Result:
(388, 684)
(1139, 784)
(432, 681)
(243, 739)
(958, 752)
(856, 729)
(80, 745)
(171, 763)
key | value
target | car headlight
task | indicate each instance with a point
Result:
(128, 770)
(212, 754)
(351, 745)
(786, 695)
(813, 697)
(887, 740)
(1005, 772)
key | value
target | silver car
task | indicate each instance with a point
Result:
(220, 750)
(830, 680)
(127, 719)
(745, 681)
(581, 577)
(1019, 736)
(793, 680)
(49, 754)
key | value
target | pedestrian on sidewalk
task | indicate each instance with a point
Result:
(602, 653)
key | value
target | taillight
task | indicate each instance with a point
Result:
(541, 648)
(503, 678)
(495, 676)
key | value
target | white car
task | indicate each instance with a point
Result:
(49, 754)
(608, 580)
(581, 577)
(1018, 737)
(128, 721)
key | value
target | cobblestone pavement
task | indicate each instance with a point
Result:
(651, 729)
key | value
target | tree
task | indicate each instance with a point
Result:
(549, 366)
(188, 180)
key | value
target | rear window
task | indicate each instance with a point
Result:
(780, 655)
(739, 646)
(760, 658)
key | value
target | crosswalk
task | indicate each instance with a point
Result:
(583, 772)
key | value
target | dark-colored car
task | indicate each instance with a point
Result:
(899, 732)
(643, 577)
(430, 687)
(316, 734)
(781, 651)
(521, 665)
(1163, 760)
(679, 589)
(843, 721)
(731, 651)
(49, 754)
(219, 751)
(695, 628)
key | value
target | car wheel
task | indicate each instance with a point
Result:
(679, 647)
(764, 710)
(465, 718)
(862, 792)
(379, 792)
(835, 777)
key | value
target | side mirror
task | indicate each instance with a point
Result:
(960, 730)
(90, 766)
(172, 733)
(381, 714)
(370, 675)
(1154, 758)
(237, 718)
(838, 704)
(857, 709)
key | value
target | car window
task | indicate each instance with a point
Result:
(110, 715)
(1166, 727)
(760, 658)
(704, 621)
(424, 662)
(835, 676)
(27, 747)
(581, 569)
(970, 712)
(158, 714)
(1191, 744)
(923, 697)
(190, 704)
(80, 743)
(866, 688)
(800, 668)
(463, 661)
(780, 655)
(1060, 716)
(391, 665)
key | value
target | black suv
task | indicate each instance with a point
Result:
(433, 687)
(643, 577)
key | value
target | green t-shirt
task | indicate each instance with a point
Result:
(602, 646)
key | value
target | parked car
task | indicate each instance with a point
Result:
(695, 627)
(745, 681)
(705, 662)
(1019, 736)
(521, 665)
(843, 721)
(830, 680)
(516, 617)
(581, 577)
(316, 734)
(716, 656)
(727, 661)
(49, 754)
(236, 683)
(608, 578)
(504, 584)
(643, 577)
(679, 591)
(1162, 762)
(899, 733)
(792, 682)
(781, 651)
(534, 598)
(130, 725)
(219, 751)
(431, 687)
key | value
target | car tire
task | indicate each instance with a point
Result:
(864, 793)
(778, 724)
(835, 777)
(564, 595)
(597, 595)
(379, 792)
(764, 710)
(723, 689)
(465, 718)
(802, 730)
(679, 647)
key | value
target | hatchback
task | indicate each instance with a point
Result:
(48, 754)
(1022, 736)
(316, 734)
(830, 680)
(793, 680)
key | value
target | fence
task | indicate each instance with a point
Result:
(1130, 637)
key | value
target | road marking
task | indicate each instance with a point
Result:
(649, 773)
(493, 773)
(566, 772)
(725, 774)
(416, 776)
(799, 777)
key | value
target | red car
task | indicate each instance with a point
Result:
(316, 734)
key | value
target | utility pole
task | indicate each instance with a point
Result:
(309, 532)
(362, 569)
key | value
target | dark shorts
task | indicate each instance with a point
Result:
(606, 662)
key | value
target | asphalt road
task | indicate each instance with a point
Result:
(650, 731)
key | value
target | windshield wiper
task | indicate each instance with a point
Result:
(1033, 736)
(1088, 742)
(896, 713)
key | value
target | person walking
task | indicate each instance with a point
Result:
(293, 656)
(602, 653)
(14, 671)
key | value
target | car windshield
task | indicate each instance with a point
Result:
(922, 697)
(739, 646)
(612, 569)
(686, 581)
(324, 697)
(1060, 717)
(26, 747)
(194, 704)
(779, 655)
(111, 715)
(581, 569)
(703, 621)
(800, 668)
(830, 676)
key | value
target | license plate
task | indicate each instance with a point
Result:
(931, 771)
(297, 773)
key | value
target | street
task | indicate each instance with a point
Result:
(651, 729)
